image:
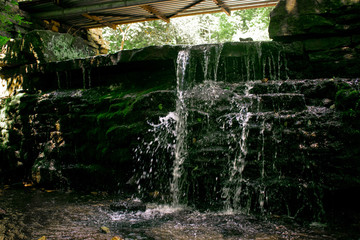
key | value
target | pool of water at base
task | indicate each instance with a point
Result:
(35, 213)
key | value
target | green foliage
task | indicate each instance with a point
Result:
(8, 17)
(226, 29)
(201, 29)
(348, 101)
(127, 100)
(255, 17)
(3, 40)
(347, 98)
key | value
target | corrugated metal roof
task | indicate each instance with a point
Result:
(96, 13)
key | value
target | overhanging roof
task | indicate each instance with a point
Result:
(97, 13)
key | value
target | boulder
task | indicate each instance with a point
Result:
(43, 46)
(295, 19)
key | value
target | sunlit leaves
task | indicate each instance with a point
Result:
(201, 29)
(7, 18)
(3, 40)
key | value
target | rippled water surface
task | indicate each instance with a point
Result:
(33, 213)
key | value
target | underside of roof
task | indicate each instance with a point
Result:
(97, 13)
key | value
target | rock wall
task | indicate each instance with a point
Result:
(326, 31)
(89, 123)
(81, 139)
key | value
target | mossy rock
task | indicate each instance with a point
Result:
(347, 101)
(45, 46)
(347, 98)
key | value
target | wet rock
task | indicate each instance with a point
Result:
(246, 39)
(105, 229)
(117, 238)
(327, 102)
(43, 46)
(2, 213)
(328, 31)
(266, 237)
(292, 19)
(128, 205)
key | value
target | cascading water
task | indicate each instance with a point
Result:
(231, 192)
(168, 139)
(210, 61)
(180, 128)
(221, 147)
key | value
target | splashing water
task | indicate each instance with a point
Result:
(211, 60)
(180, 128)
(213, 149)
(231, 192)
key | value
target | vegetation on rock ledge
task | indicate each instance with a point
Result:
(8, 17)
(348, 101)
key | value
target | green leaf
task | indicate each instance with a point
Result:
(3, 40)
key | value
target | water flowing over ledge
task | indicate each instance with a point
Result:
(229, 62)
(215, 127)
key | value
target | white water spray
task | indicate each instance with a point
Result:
(180, 128)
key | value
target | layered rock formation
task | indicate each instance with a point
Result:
(327, 31)
(236, 119)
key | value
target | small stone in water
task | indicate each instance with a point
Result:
(105, 229)
(117, 238)
(128, 205)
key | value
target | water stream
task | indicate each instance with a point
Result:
(214, 167)
(180, 128)
(205, 108)
(32, 214)
(239, 116)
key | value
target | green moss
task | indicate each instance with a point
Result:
(111, 129)
(56, 46)
(348, 102)
(125, 103)
(347, 99)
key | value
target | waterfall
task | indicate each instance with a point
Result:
(210, 128)
(181, 127)
(240, 114)
(211, 60)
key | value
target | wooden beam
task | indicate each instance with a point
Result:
(99, 20)
(187, 7)
(155, 12)
(119, 22)
(62, 13)
(223, 6)
(233, 9)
